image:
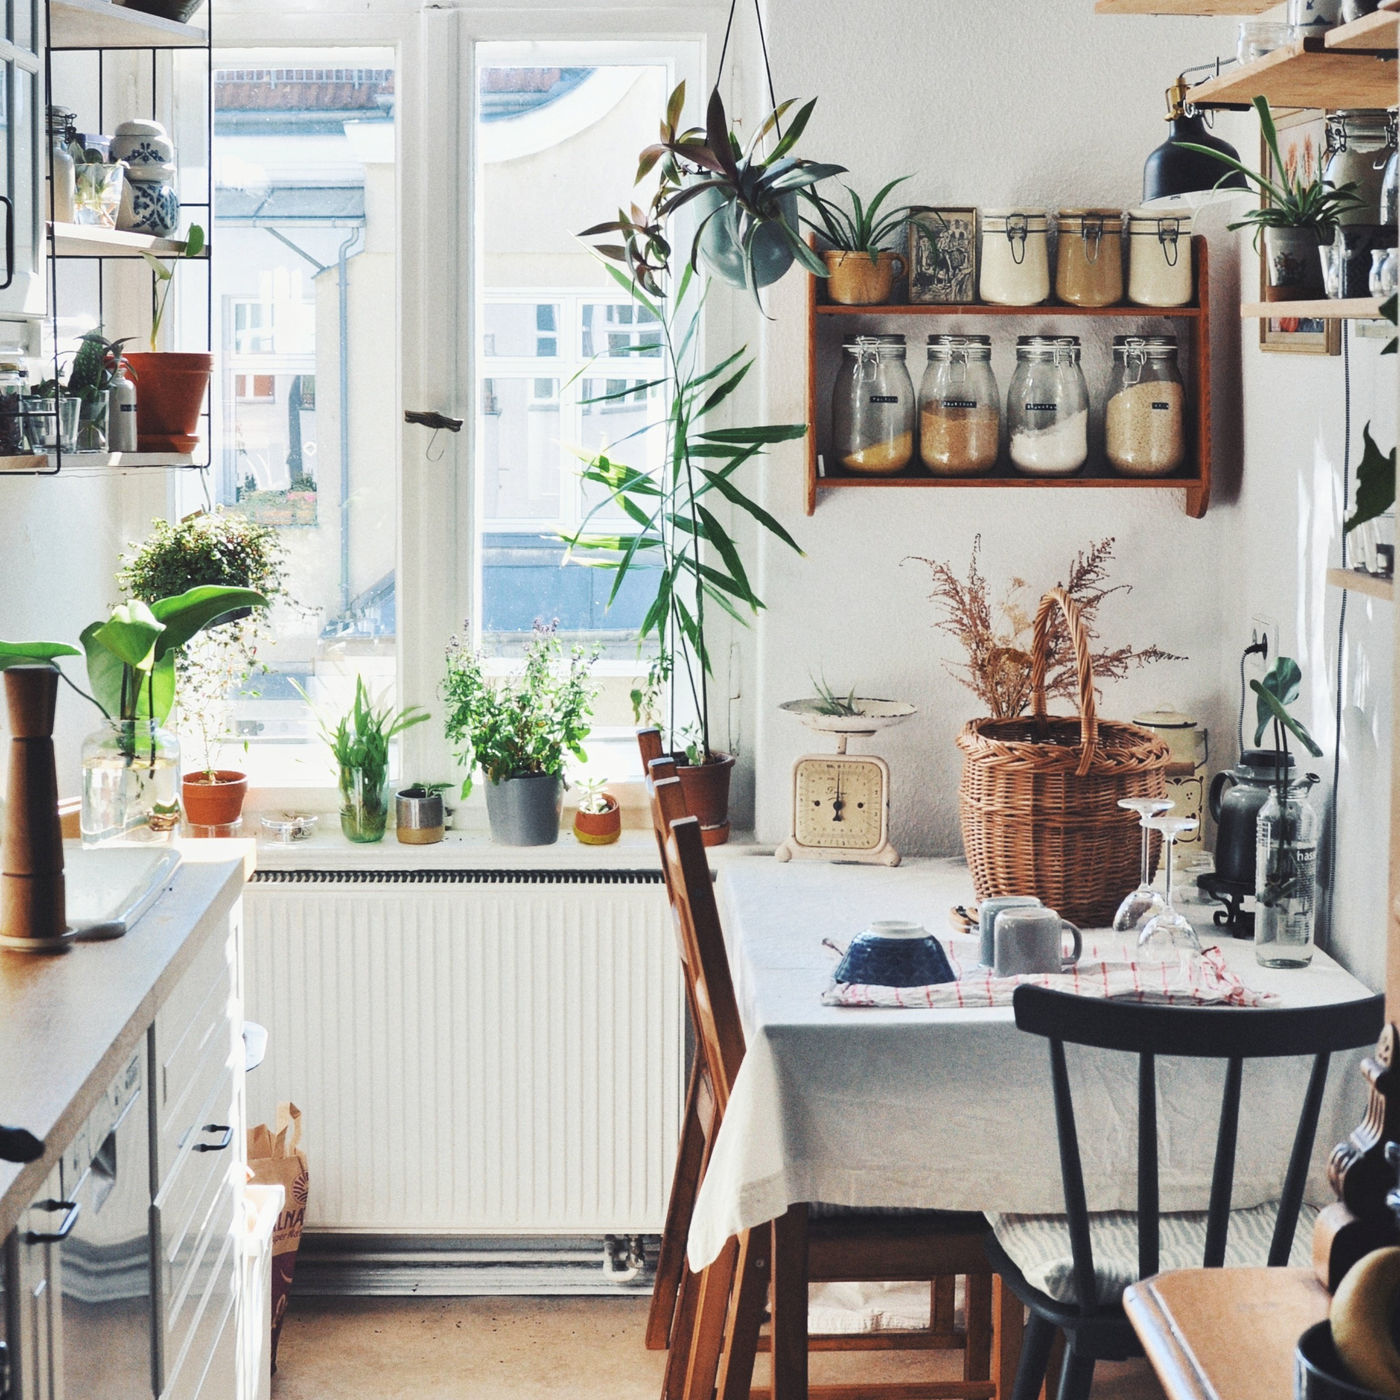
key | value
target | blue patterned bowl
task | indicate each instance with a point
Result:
(893, 953)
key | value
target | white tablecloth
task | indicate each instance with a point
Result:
(951, 1109)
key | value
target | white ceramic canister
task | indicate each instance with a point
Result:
(1159, 258)
(149, 202)
(1015, 257)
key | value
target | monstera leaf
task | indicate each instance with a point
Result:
(1278, 689)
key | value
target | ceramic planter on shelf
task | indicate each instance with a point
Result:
(857, 279)
(214, 798)
(525, 810)
(419, 818)
(1292, 268)
(170, 388)
(599, 828)
(706, 790)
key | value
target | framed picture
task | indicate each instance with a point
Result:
(1302, 144)
(943, 256)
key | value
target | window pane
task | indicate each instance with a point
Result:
(305, 182)
(520, 450)
(614, 410)
(613, 328)
(519, 329)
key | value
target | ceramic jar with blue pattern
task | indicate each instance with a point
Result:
(149, 202)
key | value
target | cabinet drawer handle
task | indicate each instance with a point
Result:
(222, 1143)
(65, 1228)
(9, 242)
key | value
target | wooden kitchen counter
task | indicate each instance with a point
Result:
(1225, 1334)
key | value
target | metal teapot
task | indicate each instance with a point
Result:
(1236, 795)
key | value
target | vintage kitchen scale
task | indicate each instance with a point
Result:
(841, 801)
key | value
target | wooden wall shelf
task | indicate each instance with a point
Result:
(1354, 582)
(1182, 7)
(99, 24)
(1314, 72)
(827, 323)
(1333, 309)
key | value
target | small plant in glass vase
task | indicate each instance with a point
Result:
(1285, 852)
(359, 741)
(520, 731)
(598, 821)
(131, 766)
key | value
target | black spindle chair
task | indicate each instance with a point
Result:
(1072, 1289)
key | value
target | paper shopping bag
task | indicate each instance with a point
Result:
(276, 1159)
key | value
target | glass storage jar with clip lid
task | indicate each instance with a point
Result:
(1144, 421)
(1089, 257)
(1015, 257)
(959, 407)
(1360, 142)
(1159, 258)
(872, 406)
(1047, 407)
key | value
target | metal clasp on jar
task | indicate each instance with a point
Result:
(1066, 347)
(867, 359)
(1134, 358)
(1091, 231)
(1017, 227)
(1169, 236)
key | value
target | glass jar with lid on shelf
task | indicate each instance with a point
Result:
(1015, 257)
(1047, 407)
(872, 406)
(1159, 258)
(1089, 257)
(1144, 420)
(1360, 142)
(959, 407)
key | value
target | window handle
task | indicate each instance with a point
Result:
(429, 418)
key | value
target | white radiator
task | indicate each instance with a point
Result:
(476, 1053)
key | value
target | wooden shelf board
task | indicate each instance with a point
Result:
(1377, 31)
(83, 241)
(25, 464)
(1008, 479)
(987, 309)
(1339, 309)
(1304, 73)
(1356, 582)
(1182, 7)
(100, 24)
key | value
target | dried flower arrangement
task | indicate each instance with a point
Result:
(997, 637)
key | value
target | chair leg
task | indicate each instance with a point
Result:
(682, 1336)
(746, 1309)
(943, 1294)
(977, 1343)
(1035, 1356)
(670, 1263)
(790, 1304)
(1077, 1378)
(1009, 1325)
(1051, 1389)
(707, 1335)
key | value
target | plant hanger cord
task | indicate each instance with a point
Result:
(763, 46)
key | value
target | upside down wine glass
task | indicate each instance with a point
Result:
(1170, 928)
(1144, 901)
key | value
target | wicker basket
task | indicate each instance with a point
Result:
(1039, 794)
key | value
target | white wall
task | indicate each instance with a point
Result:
(1048, 104)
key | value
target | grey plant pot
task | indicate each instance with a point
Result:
(525, 811)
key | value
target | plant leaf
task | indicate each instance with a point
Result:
(1375, 482)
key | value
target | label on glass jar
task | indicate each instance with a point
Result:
(884, 398)
(1157, 403)
(1042, 408)
(960, 403)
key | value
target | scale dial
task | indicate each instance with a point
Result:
(839, 803)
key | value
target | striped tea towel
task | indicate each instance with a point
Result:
(1106, 969)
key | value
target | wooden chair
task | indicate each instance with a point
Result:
(1070, 1270)
(724, 1338)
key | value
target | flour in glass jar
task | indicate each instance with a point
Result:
(1061, 448)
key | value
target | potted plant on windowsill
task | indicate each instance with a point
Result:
(1296, 219)
(520, 730)
(860, 271)
(674, 532)
(227, 549)
(170, 385)
(598, 820)
(131, 766)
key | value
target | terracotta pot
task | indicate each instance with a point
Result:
(855, 280)
(216, 803)
(706, 791)
(170, 390)
(599, 828)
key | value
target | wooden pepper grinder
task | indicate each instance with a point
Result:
(32, 914)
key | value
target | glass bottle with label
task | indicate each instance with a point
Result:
(959, 407)
(1015, 257)
(1285, 876)
(1159, 258)
(121, 412)
(61, 169)
(1145, 420)
(1089, 257)
(872, 406)
(1360, 142)
(1047, 407)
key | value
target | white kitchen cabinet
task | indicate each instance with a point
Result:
(23, 212)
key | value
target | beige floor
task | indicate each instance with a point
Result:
(512, 1349)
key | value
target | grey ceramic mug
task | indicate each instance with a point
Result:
(1032, 941)
(987, 911)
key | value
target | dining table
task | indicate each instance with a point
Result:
(950, 1107)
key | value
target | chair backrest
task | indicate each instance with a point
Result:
(708, 983)
(1217, 1033)
(656, 765)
